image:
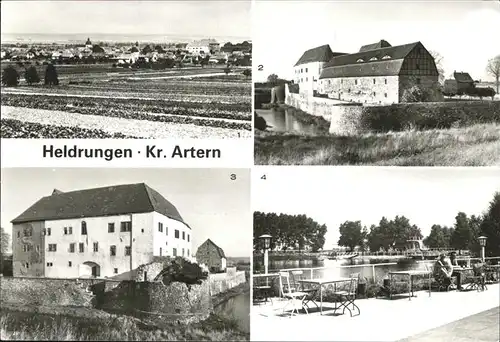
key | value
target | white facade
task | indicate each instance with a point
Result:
(197, 49)
(84, 247)
(307, 76)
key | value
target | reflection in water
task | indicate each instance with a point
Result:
(238, 308)
(282, 120)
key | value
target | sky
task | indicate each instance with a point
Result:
(463, 33)
(185, 18)
(331, 196)
(214, 206)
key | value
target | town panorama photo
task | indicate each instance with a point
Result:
(126, 69)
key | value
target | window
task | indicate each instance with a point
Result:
(360, 60)
(306, 79)
(417, 66)
(81, 248)
(188, 252)
(356, 82)
(142, 230)
(18, 234)
(166, 230)
(112, 250)
(52, 247)
(127, 250)
(72, 248)
(349, 90)
(160, 227)
(111, 227)
(126, 226)
(84, 228)
(374, 93)
(65, 230)
(27, 265)
(49, 264)
(70, 264)
(373, 81)
(385, 81)
(306, 69)
(49, 231)
(418, 80)
(301, 70)
(373, 59)
(386, 57)
(176, 234)
(115, 271)
(341, 81)
(188, 237)
(70, 230)
(161, 251)
(38, 248)
(385, 94)
(96, 246)
(174, 252)
(183, 252)
(183, 235)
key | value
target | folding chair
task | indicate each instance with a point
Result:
(478, 281)
(292, 296)
(348, 297)
(300, 287)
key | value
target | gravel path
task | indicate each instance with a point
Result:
(138, 128)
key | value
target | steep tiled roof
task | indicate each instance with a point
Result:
(380, 62)
(462, 77)
(321, 53)
(219, 250)
(378, 45)
(106, 201)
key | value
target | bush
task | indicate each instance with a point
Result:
(417, 94)
(182, 270)
(31, 75)
(481, 92)
(10, 77)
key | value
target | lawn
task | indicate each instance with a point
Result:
(77, 324)
(477, 145)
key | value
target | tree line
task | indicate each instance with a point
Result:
(393, 234)
(288, 231)
(11, 77)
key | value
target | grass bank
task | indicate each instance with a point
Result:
(78, 324)
(477, 145)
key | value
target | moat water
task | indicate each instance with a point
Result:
(237, 308)
(283, 120)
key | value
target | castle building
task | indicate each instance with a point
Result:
(212, 256)
(309, 66)
(379, 73)
(99, 232)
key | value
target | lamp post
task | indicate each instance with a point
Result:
(482, 242)
(266, 243)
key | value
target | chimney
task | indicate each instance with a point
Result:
(56, 192)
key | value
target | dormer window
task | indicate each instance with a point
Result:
(360, 60)
(386, 57)
(374, 59)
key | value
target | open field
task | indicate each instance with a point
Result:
(183, 102)
(77, 324)
(477, 145)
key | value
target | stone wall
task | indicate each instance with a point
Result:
(374, 89)
(222, 282)
(45, 291)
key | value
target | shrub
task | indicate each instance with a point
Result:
(10, 77)
(31, 75)
(293, 88)
(182, 270)
(51, 75)
(417, 94)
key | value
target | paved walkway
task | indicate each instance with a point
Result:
(380, 319)
(480, 327)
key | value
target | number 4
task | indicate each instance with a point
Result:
(263, 177)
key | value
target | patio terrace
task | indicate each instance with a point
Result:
(380, 319)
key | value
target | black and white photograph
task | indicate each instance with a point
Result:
(125, 254)
(126, 69)
(376, 254)
(395, 83)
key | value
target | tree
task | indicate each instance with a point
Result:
(272, 79)
(31, 75)
(5, 241)
(490, 227)
(462, 237)
(351, 234)
(438, 60)
(247, 73)
(493, 68)
(439, 237)
(10, 77)
(51, 75)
